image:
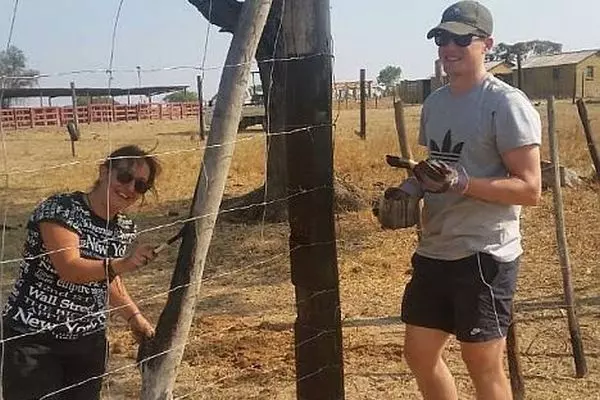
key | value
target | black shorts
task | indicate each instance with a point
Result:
(470, 297)
(37, 365)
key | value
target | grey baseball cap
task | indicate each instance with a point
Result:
(464, 18)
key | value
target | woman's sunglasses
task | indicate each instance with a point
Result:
(125, 177)
(444, 39)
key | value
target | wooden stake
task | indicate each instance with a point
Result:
(405, 149)
(563, 251)
(517, 382)
(160, 357)
(363, 106)
(589, 136)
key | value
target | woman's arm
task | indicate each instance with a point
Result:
(120, 300)
(63, 247)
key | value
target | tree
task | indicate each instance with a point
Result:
(181, 97)
(508, 52)
(13, 65)
(389, 77)
(225, 14)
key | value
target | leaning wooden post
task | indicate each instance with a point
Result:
(160, 357)
(363, 106)
(313, 257)
(405, 148)
(563, 251)
(589, 137)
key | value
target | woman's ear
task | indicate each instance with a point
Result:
(102, 173)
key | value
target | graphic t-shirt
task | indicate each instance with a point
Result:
(40, 300)
(475, 129)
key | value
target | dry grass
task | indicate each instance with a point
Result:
(241, 345)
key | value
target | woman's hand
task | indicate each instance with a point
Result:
(140, 327)
(138, 256)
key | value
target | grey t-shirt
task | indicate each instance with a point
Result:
(474, 129)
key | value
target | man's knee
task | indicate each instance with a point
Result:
(485, 358)
(423, 347)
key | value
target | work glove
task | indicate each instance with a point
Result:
(437, 176)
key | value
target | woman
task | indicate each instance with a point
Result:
(75, 251)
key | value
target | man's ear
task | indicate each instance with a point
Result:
(489, 44)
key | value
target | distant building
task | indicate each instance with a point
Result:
(564, 75)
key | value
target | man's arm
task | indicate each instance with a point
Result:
(522, 187)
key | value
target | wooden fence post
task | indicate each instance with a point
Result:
(74, 104)
(563, 251)
(589, 137)
(363, 106)
(200, 107)
(314, 270)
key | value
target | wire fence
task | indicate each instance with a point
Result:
(109, 132)
(386, 347)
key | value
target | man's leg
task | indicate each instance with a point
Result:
(486, 368)
(484, 291)
(428, 313)
(423, 349)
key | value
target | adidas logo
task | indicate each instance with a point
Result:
(447, 153)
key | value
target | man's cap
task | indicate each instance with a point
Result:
(464, 18)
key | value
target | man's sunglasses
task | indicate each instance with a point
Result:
(444, 39)
(125, 177)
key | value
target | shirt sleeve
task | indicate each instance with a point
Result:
(59, 209)
(517, 123)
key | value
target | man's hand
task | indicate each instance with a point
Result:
(438, 176)
(397, 208)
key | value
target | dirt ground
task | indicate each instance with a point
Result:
(241, 343)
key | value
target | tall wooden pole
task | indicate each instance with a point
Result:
(563, 251)
(517, 381)
(313, 254)
(161, 356)
(363, 106)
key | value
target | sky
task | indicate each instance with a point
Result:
(59, 36)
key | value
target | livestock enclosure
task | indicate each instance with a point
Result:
(241, 344)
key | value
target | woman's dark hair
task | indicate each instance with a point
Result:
(125, 157)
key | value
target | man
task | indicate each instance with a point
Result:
(483, 138)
